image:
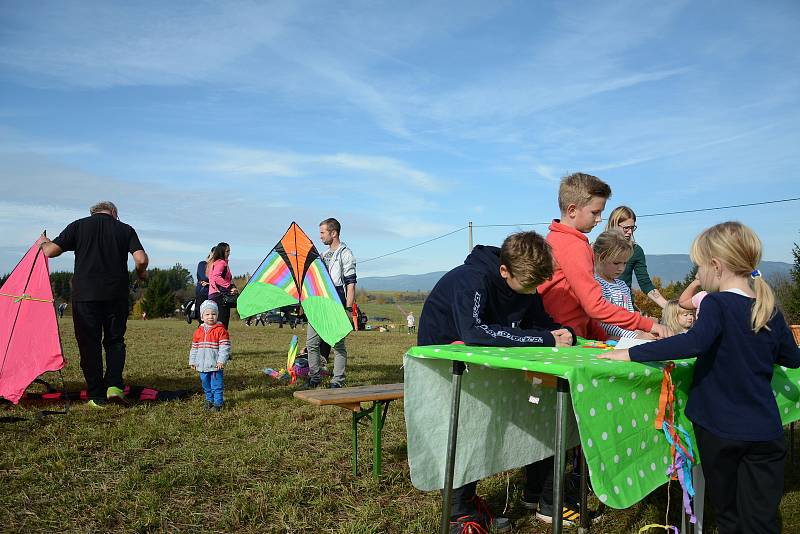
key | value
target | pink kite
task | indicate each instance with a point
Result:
(29, 340)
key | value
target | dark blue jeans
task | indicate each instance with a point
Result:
(213, 386)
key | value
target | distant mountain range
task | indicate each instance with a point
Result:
(669, 267)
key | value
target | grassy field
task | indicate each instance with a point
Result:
(268, 463)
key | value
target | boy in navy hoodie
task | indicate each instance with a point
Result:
(491, 300)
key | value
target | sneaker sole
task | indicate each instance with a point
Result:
(566, 522)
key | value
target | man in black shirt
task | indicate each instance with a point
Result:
(100, 293)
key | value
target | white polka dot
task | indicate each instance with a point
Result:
(647, 372)
(621, 402)
(603, 498)
(648, 391)
(641, 473)
(547, 363)
(797, 405)
(653, 467)
(656, 438)
(616, 490)
(604, 435)
(595, 382)
(580, 388)
(611, 379)
(631, 375)
(646, 418)
(554, 349)
(619, 429)
(629, 451)
(616, 458)
(786, 410)
(666, 460)
(633, 395)
(592, 412)
(590, 443)
(633, 423)
(469, 354)
(643, 445)
(436, 350)
(630, 481)
(524, 368)
(609, 406)
(787, 388)
(505, 358)
(602, 466)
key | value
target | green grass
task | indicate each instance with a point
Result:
(268, 463)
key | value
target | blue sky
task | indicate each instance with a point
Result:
(211, 121)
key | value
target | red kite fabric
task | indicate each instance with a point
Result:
(29, 341)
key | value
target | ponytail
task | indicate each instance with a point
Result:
(764, 305)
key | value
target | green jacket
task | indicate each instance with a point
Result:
(637, 264)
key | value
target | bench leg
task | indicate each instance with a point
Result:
(377, 429)
(355, 444)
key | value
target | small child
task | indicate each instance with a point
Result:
(611, 253)
(738, 339)
(211, 348)
(676, 318)
(691, 297)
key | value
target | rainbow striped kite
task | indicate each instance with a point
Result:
(293, 273)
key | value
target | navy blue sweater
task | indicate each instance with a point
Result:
(731, 395)
(473, 303)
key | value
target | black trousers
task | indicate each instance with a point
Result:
(538, 486)
(98, 325)
(744, 481)
(224, 311)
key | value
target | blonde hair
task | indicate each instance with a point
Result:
(619, 214)
(669, 317)
(579, 189)
(738, 248)
(527, 257)
(612, 244)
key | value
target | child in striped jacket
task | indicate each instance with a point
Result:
(611, 253)
(211, 348)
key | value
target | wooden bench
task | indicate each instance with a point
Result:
(350, 399)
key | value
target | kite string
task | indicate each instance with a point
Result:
(25, 296)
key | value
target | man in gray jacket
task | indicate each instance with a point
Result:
(341, 265)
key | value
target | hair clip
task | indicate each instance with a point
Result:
(755, 274)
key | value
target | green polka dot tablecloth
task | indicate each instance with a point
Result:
(507, 421)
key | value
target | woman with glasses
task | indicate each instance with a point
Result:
(623, 218)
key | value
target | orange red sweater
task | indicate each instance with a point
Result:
(573, 297)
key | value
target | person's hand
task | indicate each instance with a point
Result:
(660, 331)
(220, 365)
(234, 290)
(193, 366)
(618, 355)
(563, 337)
(203, 283)
(641, 334)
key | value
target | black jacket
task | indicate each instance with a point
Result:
(474, 304)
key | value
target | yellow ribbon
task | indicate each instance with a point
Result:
(24, 296)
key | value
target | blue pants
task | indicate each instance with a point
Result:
(213, 386)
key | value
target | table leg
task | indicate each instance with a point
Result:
(584, 505)
(447, 494)
(560, 449)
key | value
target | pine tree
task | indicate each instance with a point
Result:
(793, 305)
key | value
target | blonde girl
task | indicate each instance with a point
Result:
(624, 219)
(676, 318)
(738, 339)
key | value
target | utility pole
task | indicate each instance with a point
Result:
(470, 238)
